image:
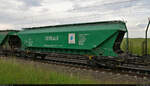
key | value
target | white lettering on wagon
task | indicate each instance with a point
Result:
(29, 42)
(52, 38)
(53, 45)
(82, 39)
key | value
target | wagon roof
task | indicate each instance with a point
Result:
(8, 30)
(75, 24)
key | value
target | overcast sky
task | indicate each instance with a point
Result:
(16, 14)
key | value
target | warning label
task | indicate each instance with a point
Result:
(71, 38)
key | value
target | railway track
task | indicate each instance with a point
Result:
(132, 70)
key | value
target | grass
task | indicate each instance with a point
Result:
(135, 46)
(12, 72)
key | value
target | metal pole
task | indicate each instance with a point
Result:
(127, 41)
(146, 53)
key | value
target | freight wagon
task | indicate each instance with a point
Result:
(92, 39)
(6, 40)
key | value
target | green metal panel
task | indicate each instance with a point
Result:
(89, 38)
(2, 37)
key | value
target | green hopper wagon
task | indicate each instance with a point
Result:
(92, 39)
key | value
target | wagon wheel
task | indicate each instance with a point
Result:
(43, 57)
(92, 63)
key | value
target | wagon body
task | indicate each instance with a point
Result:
(97, 38)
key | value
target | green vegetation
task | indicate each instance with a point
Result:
(12, 72)
(136, 46)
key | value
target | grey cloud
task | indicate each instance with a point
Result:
(27, 4)
(145, 3)
(32, 2)
(141, 25)
(106, 6)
